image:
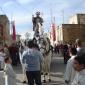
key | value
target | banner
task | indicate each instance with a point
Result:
(13, 31)
(53, 31)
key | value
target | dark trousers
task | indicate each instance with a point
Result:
(14, 60)
(34, 76)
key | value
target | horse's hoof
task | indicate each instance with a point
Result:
(49, 80)
(44, 81)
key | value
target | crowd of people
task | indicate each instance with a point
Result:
(75, 68)
(9, 55)
(74, 58)
(65, 49)
(31, 60)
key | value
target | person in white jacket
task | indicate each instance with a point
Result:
(79, 66)
(10, 76)
(70, 71)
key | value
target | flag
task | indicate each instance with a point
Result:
(13, 31)
(53, 28)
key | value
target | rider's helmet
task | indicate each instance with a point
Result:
(38, 13)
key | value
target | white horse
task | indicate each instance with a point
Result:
(44, 45)
(38, 30)
(45, 50)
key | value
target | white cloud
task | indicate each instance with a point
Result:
(8, 3)
(20, 19)
(24, 1)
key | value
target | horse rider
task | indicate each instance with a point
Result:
(36, 20)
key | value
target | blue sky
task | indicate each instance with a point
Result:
(22, 10)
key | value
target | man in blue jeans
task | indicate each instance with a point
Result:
(33, 59)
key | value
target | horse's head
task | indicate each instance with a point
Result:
(44, 45)
(38, 29)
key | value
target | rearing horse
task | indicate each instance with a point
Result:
(45, 50)
(44, 46)
(38, 30)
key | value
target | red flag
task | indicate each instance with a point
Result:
(13, 31)
(53, 31)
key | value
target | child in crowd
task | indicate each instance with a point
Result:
(10, 77)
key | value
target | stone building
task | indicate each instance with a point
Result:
(75, 29)
(4, 29)
(77, 19)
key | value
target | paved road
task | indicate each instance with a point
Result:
(57, 72)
